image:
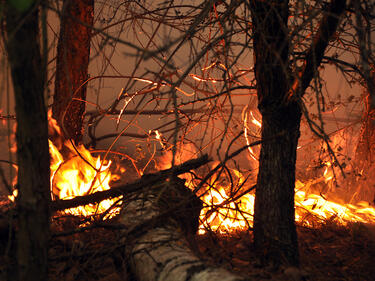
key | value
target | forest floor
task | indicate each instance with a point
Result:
(327, 252)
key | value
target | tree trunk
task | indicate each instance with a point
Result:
(365, 151)
(156, 226)
(275, 235)
(28, 75)
(363, 184)
(73, 52)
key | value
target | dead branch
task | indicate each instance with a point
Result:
(315, 54)
(144, 182)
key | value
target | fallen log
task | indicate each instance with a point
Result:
(156, 225)
(145, 181)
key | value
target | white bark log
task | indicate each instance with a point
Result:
(160, 252)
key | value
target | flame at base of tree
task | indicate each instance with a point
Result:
(223, 214)
(227, 206)
(76, 172)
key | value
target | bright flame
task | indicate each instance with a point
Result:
(224, 215)
(80, 174)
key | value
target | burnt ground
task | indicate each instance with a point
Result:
(328, 252)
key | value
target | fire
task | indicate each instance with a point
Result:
(225, 211)
(223, 214)
(80, 174)
(77, 173)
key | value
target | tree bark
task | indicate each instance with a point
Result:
(275, 235)
(155, 240)
(73, 52)
(365, 151)
(363, 181)
(28, 75)
(279, 100)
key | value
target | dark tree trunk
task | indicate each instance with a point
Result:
(275, 235)
(363, 182)
(365, 152)
(279, 96)
(73, 52)
(28, 75)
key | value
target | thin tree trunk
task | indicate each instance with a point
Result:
(28, 75)
(275, 235)
(73, 52)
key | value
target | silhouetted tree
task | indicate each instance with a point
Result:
(279, 100)
(365, 152)
(28, 69)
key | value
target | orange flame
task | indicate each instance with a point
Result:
(222, 214)
(80, 174)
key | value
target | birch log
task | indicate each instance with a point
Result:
(158, 222)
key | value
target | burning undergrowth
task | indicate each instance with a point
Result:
(227, 191)
(327, 224)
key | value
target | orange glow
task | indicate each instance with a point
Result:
(255, 121)
(78, 173)
(224, 215)
(247, 129)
